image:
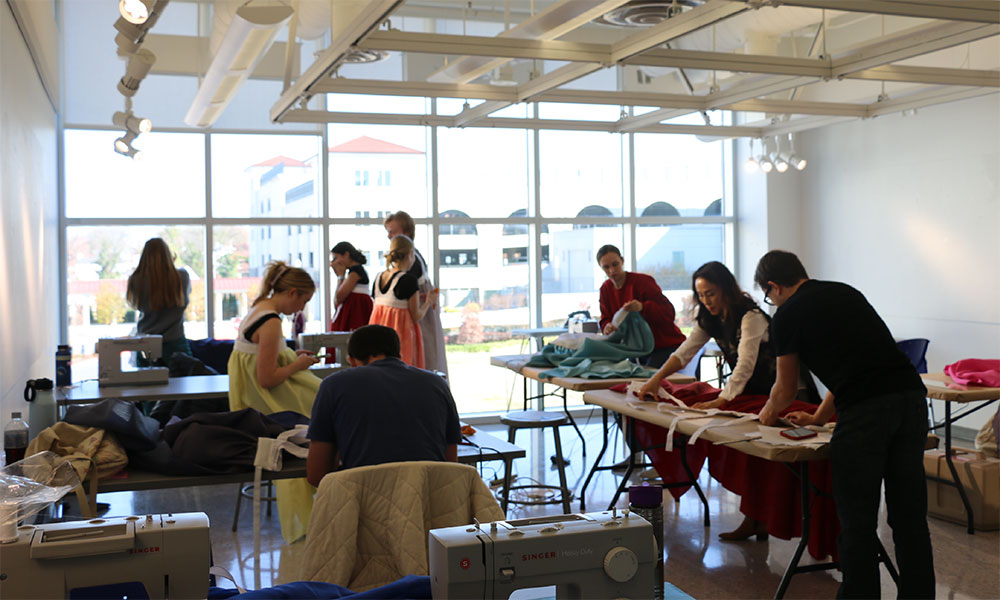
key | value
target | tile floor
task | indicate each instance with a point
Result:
(697, 562)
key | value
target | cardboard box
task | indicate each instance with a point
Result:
(980, 476)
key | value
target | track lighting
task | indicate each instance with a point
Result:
(123, 146)
(132, 122)
(138, 67)
(780, 164)
(751, 164)
(765, 164)
(135, 11)
(794, 159)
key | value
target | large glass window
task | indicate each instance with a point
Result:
(103, 183)
(99, 261)
(484, 172)
(264, 176)
(581, 169)
(677, 175)
(378, 169)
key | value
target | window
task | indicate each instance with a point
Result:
(688, 182)
(581, 169)
(490, 183)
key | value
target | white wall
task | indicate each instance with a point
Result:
(907, 210)
(29, 269)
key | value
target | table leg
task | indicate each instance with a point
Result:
(595, 468)
(793, 565)
(508, 467)
(951, 467)
(694, 482)
(572, 422)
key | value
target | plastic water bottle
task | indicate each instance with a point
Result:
(647, 501)
(64, 375)
(39, 394)
(15, 439)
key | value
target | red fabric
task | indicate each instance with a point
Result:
(769, 490)
(975, 371)
(656, 308)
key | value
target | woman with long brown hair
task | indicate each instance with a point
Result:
(159, 291)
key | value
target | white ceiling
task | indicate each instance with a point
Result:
(781, 68)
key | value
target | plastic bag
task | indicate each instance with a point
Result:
(29, 485)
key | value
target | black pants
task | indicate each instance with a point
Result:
(881, 440)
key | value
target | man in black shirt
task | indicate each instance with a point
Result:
(881, 419)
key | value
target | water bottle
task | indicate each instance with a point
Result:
(42, 414)
(647, 501)
(15, 439)
(64, 376)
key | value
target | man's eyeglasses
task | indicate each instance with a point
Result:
(767, 300)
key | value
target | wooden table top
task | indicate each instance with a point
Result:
(941, 387)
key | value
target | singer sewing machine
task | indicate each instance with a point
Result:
(316, 342)
(154, 556)
(109, 361)
(593, 555)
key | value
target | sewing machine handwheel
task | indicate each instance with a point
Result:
(621, 564)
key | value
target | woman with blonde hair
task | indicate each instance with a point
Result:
(159, 291)
(397, 303)
(265, 374)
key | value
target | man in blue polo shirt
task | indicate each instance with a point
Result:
(380, 411)
(881, 412)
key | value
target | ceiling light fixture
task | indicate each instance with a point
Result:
(123, 146)
(249, 37)
(794, 159)
(135, 11)
(138, 67)
(131, 122)
(778, 157)
(751, 165)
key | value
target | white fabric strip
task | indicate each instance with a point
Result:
(720, 422)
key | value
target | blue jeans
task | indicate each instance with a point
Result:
(881, 440)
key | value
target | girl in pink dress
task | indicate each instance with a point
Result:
(397, 303)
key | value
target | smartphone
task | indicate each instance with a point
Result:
(799, 433)
(321, 356)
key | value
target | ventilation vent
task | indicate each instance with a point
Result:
(643, 13)
(357, 56)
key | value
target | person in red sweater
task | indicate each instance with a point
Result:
(637, 292)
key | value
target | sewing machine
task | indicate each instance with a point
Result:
(593, 555)
(109, 361)
(584, 326)
(154, 556)
(316, 342)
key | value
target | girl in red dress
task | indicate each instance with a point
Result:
(351, 299)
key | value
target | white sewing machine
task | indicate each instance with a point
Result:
(593, 555)
(160, 556)
(316, 342)
(109, 361)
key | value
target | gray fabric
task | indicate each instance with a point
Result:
(430, 326)
(168, 322)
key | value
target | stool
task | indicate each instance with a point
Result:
(246, 491)
(535, 419)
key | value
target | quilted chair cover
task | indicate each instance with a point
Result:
(369, 524)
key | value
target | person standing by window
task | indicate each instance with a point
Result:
(351, 298)
(160, 291)
(397, 303)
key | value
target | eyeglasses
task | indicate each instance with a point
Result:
(767, 300)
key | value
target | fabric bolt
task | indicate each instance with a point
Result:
(975, 371)
(431, 331)
(600, 358)
(385, 412)
(392, 310)
(356, 310)
(296, 393)
(656, 308)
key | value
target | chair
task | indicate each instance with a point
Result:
(536, 419)
(369, 524)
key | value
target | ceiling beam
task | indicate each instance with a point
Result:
(800, 107)
(553, 22)
(368, 17)
(480, 45)
(979, 11)
(930, 97)
(930, 75)
(912, 42)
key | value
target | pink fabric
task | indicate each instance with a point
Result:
(975, 371)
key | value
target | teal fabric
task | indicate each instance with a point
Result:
(601, 359)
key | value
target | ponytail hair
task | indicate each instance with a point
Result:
(349, 249)
(400, 249)
(279, 278)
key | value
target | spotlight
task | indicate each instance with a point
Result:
(765, 164)
(131, 122)
(751, 165)
(135, 11)
(797, 161)
(138, 67)
(780, 164)
(124, 143)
